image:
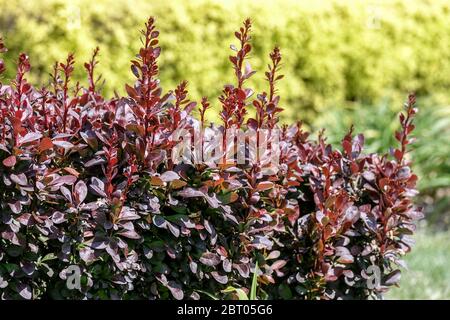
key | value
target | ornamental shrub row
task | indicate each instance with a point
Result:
(90, 184)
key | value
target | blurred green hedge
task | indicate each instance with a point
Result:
(429, 153)
(334, 51)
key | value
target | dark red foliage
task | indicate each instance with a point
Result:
(234, 99)
(91, 182)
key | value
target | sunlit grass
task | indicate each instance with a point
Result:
(428, 276)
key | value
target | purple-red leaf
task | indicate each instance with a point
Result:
(80, 191)
(10, 161)
(30, 137)
(210, 259)
(169, 176)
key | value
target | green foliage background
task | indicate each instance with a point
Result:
(335, 52)
(344, 62)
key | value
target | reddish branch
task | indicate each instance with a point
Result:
(90, 67)
(145, 68)
(67, 70)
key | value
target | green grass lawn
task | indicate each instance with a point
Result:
(428, 274)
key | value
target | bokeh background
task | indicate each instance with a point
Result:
(345, 62)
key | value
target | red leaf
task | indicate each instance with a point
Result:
(131, 91)
(263, 186)
(139, 130)
(293, 215)
(223, 279)
(175, 289)
(80, 191)
(354, 167)
(68, 179)
(17, 123)
(135, 71)
(177, 184)
(273, 255)
(20, 179)
(156, 181)
(63, 144)
(344, 255)
(10, 161)
(15, 207)
(190, 106)
(46, 143)
(383, 182)
(347, 147)
(30, 137)
(130, 234)
(210, 259)
(72, 171)
(398, 155)
(169, 176)
(247, 48)
(241, 94)
(251, 123)
(393, 278)
(278, 264)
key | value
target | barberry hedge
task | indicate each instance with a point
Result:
(91, 183)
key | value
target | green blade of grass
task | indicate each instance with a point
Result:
(240, 293)
(254, 283)
(208, 294)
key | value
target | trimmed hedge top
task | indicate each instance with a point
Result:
(91, 184)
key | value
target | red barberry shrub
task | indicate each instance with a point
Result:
(90, 184)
